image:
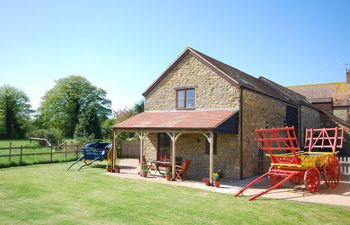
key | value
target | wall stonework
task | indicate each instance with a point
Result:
(257, 109)
(192, 147)
(310, 118)
(342, 113)
(212, 91)
(150, 146)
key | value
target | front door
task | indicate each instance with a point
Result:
(163, 152)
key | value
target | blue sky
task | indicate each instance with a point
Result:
(123, 46)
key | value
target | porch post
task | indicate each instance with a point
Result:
(173, 136)
(174, 156)
(141, 136)
(211, 157)
(210, 139)
(113, 150)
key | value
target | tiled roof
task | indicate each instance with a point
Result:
(339, 92)
(177, 120)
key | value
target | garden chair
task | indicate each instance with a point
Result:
(180, 171)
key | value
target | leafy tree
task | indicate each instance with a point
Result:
(15, 112)
(139, 107)
(75, 107)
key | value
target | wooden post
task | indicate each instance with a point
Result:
(211, 157)
(113, 150)
(142, 137)
(10, 150)
(51, 154)
(77, 151)
(210, 139)
(20, 155)
(65, 151)
(173, 137)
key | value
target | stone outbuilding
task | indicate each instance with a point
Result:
(333, 98)
(206, 111)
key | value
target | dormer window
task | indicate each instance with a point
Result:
(185, 98)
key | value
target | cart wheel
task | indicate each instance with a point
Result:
(331, 171)
(312, 179)
(297, 179)
(274, 179)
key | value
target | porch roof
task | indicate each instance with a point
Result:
(185, 120)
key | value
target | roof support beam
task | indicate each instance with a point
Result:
(142, 136)
(114, 149)
(173, 136)
(210, 138)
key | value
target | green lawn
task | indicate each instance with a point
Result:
(29, 148)
(46, 194)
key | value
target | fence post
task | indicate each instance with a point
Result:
(21, 155)
(51, 154)
(10, 150)
(65, 151)
(77, 151)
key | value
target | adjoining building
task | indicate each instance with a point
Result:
(333, 98)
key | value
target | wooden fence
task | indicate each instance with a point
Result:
(345, 165)
(21, 155)
(130, 149)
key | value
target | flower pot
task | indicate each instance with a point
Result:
(109, 169)
(217, 183)
(144, 174)
(206, 181)
(168, 177)
(117, 170)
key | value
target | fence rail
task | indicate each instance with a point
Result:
(345, 165)
(22, 154)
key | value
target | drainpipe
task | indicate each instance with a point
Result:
(241, 132)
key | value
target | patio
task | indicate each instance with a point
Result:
(129, 168)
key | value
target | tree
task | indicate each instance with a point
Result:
(15, 112)
(139, 107)
(75, 107)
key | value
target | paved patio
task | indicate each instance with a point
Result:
(338, 196)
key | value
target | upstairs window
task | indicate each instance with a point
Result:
(185, 98)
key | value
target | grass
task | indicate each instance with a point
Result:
(28, 148)
(46, 194)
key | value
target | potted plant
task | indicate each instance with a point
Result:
(117, 169)
(206, 181)
(216, 179)
(144, 171)
(168, 174)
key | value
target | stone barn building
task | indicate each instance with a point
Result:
(207, 111)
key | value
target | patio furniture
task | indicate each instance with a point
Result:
(180, 171)
(159, 163)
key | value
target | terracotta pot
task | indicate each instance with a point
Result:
(206, 181)
(109, 169)
(217, 183)
(145, 174)
(117, 170)
(168, 177)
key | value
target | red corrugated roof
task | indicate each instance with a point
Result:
(177, 120)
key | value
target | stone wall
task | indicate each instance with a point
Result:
(212, 91)
(343, 113)
(192, 147)
(310, 118)
(257, 109)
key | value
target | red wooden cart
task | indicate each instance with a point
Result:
(290, 163)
